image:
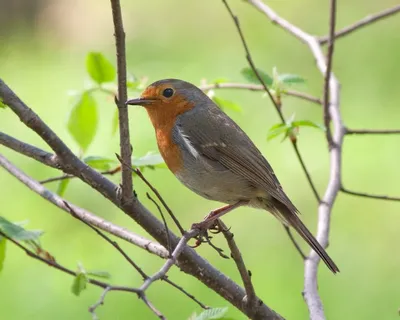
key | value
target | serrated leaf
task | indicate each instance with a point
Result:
(79, 284)
(226, 104)
(99, 274)
(150, 160)
(62, 186)
(82, 123)
(99, 163)
(215, 313)
(307, 123)
(18, 233)
(291, 78)
(99, 68)
(249, 74)
(3, 242)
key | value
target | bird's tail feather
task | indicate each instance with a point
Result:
(294, 221)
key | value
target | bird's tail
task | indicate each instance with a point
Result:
(294, 221)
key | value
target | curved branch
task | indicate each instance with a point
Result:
(189, 261)
(311, 295)
(362, 23)
(84, 215)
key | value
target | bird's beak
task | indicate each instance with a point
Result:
(139, 102)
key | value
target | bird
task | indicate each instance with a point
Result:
(212, 156)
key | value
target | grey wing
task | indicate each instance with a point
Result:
(231, 147)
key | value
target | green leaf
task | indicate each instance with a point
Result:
(99, 163)
(215, 313)
(226, 104)
(115, 122)
(79, 284)
(291, 78)
(249, 74)
(276, 130)
(82, 123)
(99, 274)
(308, 123)
(18, 233)
(150, 160)
(99, 68)
(62, 187)
(3, 242)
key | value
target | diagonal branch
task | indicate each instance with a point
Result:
(251, 298)
(107, 287)
(123, 118)
(274, 102)
(189, 261)
(83, 215)
(362, 23)
(311, 295)
(30, 151)
(329, 61)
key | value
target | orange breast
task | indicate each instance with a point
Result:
(168, 149)
(163, 117)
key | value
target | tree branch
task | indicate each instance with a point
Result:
(369, 195)
(311, 295)
(30, 151)
(189, 261)
(258, 87)
(274, 102)
(123, 118)
(251, 299)
(371, 131)
(83, 215)
(329, 60)
(107, 287)
(362, 23)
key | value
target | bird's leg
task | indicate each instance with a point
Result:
(216, 214)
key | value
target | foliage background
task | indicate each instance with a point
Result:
(42, 55)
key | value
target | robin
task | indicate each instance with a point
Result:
(212, 156)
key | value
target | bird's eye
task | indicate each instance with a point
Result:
(168, 92)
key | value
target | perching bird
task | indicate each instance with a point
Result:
(211, 155)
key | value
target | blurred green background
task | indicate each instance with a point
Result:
(42, 56)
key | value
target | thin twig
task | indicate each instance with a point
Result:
(251, 299)
(311, 295)
(327, 79)
(57, 266)
(259, 87)
(123, 118)
(296, 245)
(70, 176)
(84, 215)
(105, 237)
(275, 103)
(189, 262)
(362, 23)
(160, 198)
(171, 260)
(169, 247)
(371, 131)
(369, 195)
(202, 305)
